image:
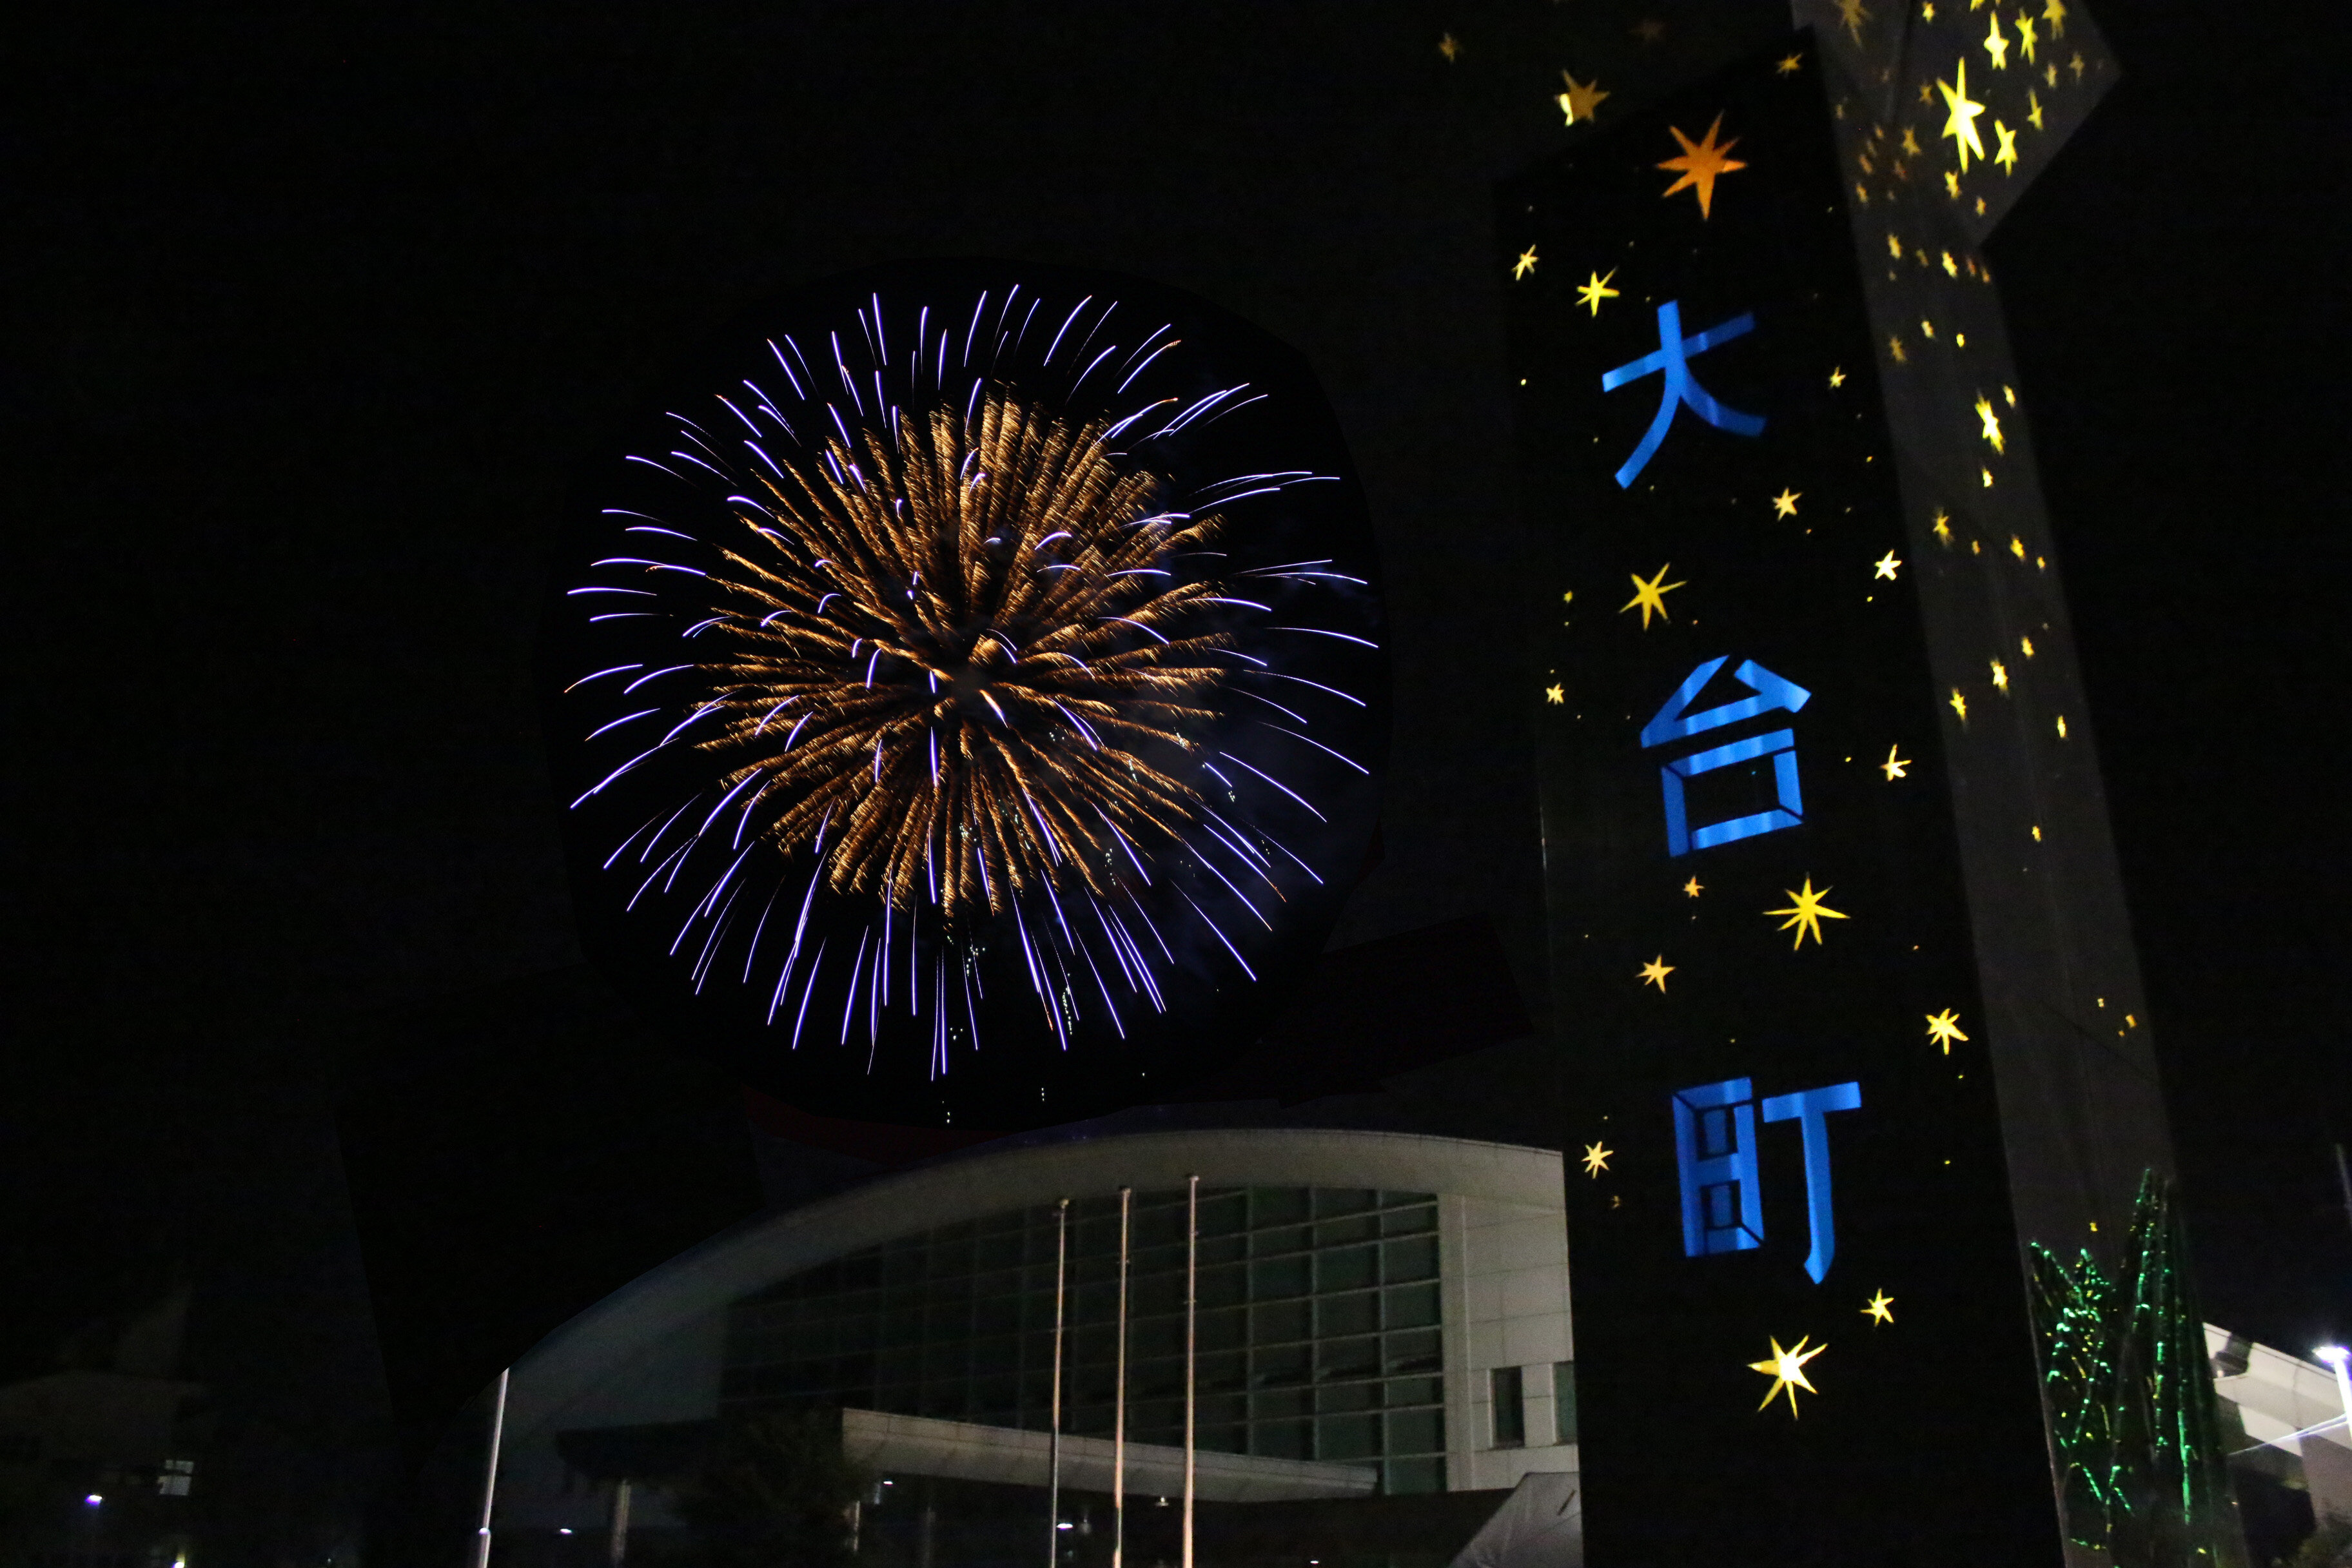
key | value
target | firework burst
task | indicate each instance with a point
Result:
(928, 674)
(964, 648)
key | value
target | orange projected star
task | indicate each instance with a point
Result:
(1702, 162)
(1787, 1371)
(1651, 595)
(1806, 911)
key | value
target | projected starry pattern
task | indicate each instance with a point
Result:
(1804, 548)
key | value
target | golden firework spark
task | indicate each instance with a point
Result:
(959, 663)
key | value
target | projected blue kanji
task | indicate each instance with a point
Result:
(1722, 1183)
(1809, 1108)
(1715, 1148)
(1671, 358)
(1673, 722)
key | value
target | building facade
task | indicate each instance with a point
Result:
(1379, 1317)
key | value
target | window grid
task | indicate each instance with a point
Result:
(1319, 1327)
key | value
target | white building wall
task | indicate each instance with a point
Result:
(1507, 1267)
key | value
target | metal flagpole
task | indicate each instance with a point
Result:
(1192, 1300)
(1119, 1411)
(1053, 1455)
(490, 1477)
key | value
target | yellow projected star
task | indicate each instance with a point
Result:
(1886, 567)
(1525, 263)
(1583, 99)
(1787, 1371)
(1960, 116)
(1596, 289)
(1596, 1160)
(1655, 973)
(1894, 766)
(1785, 503)
(1944, 1027)
(1880, 1308)
(1694, 887)
(1702, 162)
(1806, 911)
(1996, 43)
(2007, 155)
(1556, 695)
(1651, 595)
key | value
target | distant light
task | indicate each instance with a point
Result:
(2333, 1355)
(1066, 1525)
(93, 1499)
(559, 1531)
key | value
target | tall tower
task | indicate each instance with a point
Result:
(1838, 944)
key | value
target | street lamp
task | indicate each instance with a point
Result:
(2336, 1357)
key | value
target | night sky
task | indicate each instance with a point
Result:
(309, 322)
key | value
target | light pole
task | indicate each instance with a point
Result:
(490, 1477)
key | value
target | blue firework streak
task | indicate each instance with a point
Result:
(920, 671)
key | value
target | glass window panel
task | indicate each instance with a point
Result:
(1416, 1432)
(1002, 1354)
(1277, 1205)
(1342, 1200)
(1340, 1232)
(1410, 1306)
(1563, 1401)
(1156, 1295)
(1404, 1391)
(861, 1271)
(1277, 1404)
(1342, 1398)
(1347, 1358)
(1283, 1365)
(1156, 1337)
(1404, 1477)
(1275, 1278)
(1354, 1314)
(1224, 1214)
(1510, 1421)
(1001, 1315)
(1222, 1286)
(1348, 1268)
(1156, 1379)
(1280, 1439)
(1413, 1259)
(1278, 1323)
(1224, 1331)
(1347, 1437)
(1417, 1351)
(1281, 1239)
(1229, 1370)
(1409, 1222)
(1223, 1250)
